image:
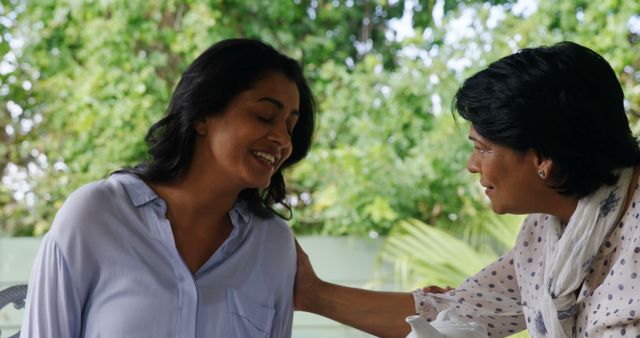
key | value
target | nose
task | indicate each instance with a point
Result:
(280, 135)
(472, 164)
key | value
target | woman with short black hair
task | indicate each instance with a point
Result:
(565, 103)
(551, 139)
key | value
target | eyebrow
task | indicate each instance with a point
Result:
(277, 104)
(475, 140)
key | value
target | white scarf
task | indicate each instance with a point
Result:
(568, 255)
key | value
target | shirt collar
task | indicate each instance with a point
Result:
(141, 194)
(241, 210)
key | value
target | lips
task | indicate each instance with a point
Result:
(267, 157)
(487, 188)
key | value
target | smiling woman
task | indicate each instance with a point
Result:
(187, 244)
(259, 121)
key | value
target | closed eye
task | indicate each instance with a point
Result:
(265, 117)
(481, 151)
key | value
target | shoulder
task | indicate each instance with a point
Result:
(93, 197)
(536, 220)
(532, 227)
(270, 227)
(275, 236)
(95, 192)
(274, 232)
(88, 205)
(634, 204)
(273, 227)
(531, 239)
(277, 225)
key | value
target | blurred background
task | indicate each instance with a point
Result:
(383, 194)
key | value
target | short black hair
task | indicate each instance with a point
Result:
(213, 79)
(562, 101)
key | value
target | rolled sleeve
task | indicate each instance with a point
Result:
(491, 298)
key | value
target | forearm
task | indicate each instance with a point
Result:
(379, 313)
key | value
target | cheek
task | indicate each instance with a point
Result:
(223, 147)
(497, 169)
(286, 154)
(492, 172)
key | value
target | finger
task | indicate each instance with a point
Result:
(432, 289)
(436, 289)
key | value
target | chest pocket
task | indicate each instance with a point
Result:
(249, 318)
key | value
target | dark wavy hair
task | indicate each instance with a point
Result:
(565, 103)
(223, 71)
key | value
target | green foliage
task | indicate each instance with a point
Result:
(388, 170)
(100, 72)
(425, 255)
(89, 77)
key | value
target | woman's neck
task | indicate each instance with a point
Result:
(196, 201)
(563, 207)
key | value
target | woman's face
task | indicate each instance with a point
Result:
(509, 177)
(250, 139)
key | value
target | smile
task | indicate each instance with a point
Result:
(266, 157)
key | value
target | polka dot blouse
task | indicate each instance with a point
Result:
(500, 295)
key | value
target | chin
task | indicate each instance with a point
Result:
(257, 184)
(498, 210)
(263, 185)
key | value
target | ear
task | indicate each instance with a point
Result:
(543, 165)
(201, 127)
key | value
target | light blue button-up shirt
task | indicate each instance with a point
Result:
(109, 268)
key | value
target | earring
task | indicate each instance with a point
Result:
(541, 173)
